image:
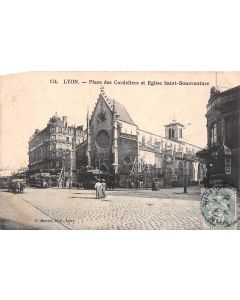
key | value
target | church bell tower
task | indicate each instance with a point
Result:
(174, 131)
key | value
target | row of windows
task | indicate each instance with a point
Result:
(65, 130)
(230, 134)
(39, 142)
(68, 139)
(61, 145)
(60, 139)
(53, 155)
(62, 130)
(179, 148)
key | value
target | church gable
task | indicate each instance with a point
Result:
(114, 106)
(102, 110)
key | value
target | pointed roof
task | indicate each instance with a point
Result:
(123, 113)
(118, 107)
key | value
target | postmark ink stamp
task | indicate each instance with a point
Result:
(218, 207)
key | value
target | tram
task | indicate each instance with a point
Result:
(4, 182)
(41, 180)
(87, 179)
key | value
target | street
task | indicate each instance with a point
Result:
(54, 208)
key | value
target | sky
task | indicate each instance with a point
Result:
(28, 100)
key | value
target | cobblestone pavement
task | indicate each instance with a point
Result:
(123, 209)
(238, 210)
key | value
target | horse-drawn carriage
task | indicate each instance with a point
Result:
(16, 185)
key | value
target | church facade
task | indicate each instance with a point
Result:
(120, 151)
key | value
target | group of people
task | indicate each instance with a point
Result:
(16, 186)
(153, 186)
(100, 188)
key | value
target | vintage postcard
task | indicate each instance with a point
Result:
(120, 150)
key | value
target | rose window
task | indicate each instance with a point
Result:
(103, 139)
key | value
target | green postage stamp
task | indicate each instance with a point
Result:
(219, 208)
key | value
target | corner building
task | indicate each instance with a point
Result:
(53, 148)
(117, 149)
(223, 131)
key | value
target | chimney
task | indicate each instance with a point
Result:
(64, 118)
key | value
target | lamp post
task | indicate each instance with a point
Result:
(99, 168)
(71, 172)
(185, 168)
(66, 165)
(185, 178)
(63, 170)
(98, 165)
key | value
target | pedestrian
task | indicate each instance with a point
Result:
(154, 187)
(21, 187)
(113, 184)
(136, 184)
(146, 185)
(98, 187)
(104, 194)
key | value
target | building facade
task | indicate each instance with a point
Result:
(115, 147)
(223, 130)
(52, 150)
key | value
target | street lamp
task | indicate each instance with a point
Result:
(71, 168)
(99, 162)
(66, 164)
(63, 170)
(185, 178)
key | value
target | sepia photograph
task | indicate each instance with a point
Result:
(120, 150)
